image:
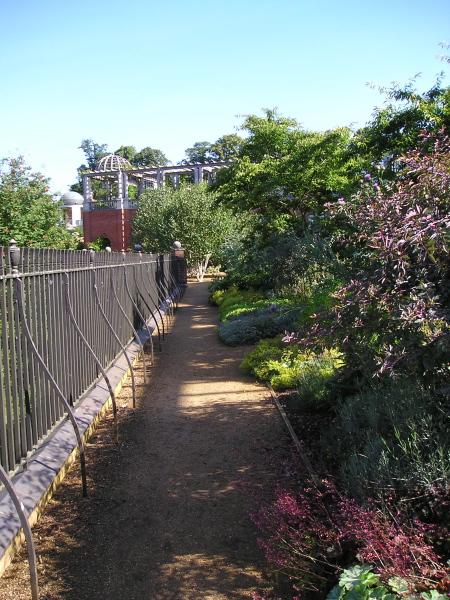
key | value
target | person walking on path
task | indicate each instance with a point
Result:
(163, 520)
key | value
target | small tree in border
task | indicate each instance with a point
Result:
(190, 215)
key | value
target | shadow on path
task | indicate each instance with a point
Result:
(163, 520)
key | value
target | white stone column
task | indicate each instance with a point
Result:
(126, 198)
(119, 190)
(87, 193)
(175, 177)
(76, 215)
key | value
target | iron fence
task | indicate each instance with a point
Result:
(65, 316)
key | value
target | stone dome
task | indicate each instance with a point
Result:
(112, 162)
(72, 199)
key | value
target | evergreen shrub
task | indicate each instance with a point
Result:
(285, 367)
(273, 361)
(249, 326)
(313, 392)
(231, 296)
(393, 436)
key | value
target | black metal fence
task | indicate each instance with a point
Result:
(65, 316)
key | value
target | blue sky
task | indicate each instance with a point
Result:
(169, 74)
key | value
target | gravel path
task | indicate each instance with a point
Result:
(163, 520)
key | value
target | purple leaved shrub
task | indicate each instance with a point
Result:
(393, 314)
(310, 532)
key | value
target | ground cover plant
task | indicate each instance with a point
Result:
(248, 315)
(313, 533)
(286, 367)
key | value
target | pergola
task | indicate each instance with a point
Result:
(110, 216)
(117, 174)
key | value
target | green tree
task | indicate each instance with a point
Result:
(149, 157)
(93, 153)
(128, 152)
(286, 173)
(225, 148)
(199, 153)
(189, 215)
(28, 213)
(398, 127)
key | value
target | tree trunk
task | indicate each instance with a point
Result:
(201, 268)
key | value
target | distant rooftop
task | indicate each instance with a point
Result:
(72, 199)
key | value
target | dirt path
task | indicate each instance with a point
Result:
(163, 520)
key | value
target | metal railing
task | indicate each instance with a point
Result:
(65, 316)
(103, 204)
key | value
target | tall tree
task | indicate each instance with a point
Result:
(199, 153)
(225, 148)
(93, 153)
(150, 157)
(28, 213)
(189, 215)
(128, 152)
(397, 128)
(284, 172)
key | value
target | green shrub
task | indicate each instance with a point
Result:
(216, 297)
(264, 351)
(314, 395)
(393, 437)
(285, 367)
(239, 333)
(275, 307)
(233, 295)
(275, 362)
(283, 376)
(320, 300)
(249, 326)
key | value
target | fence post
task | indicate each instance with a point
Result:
(14, 255)
(180, 266)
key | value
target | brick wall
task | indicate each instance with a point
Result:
(114, 224)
